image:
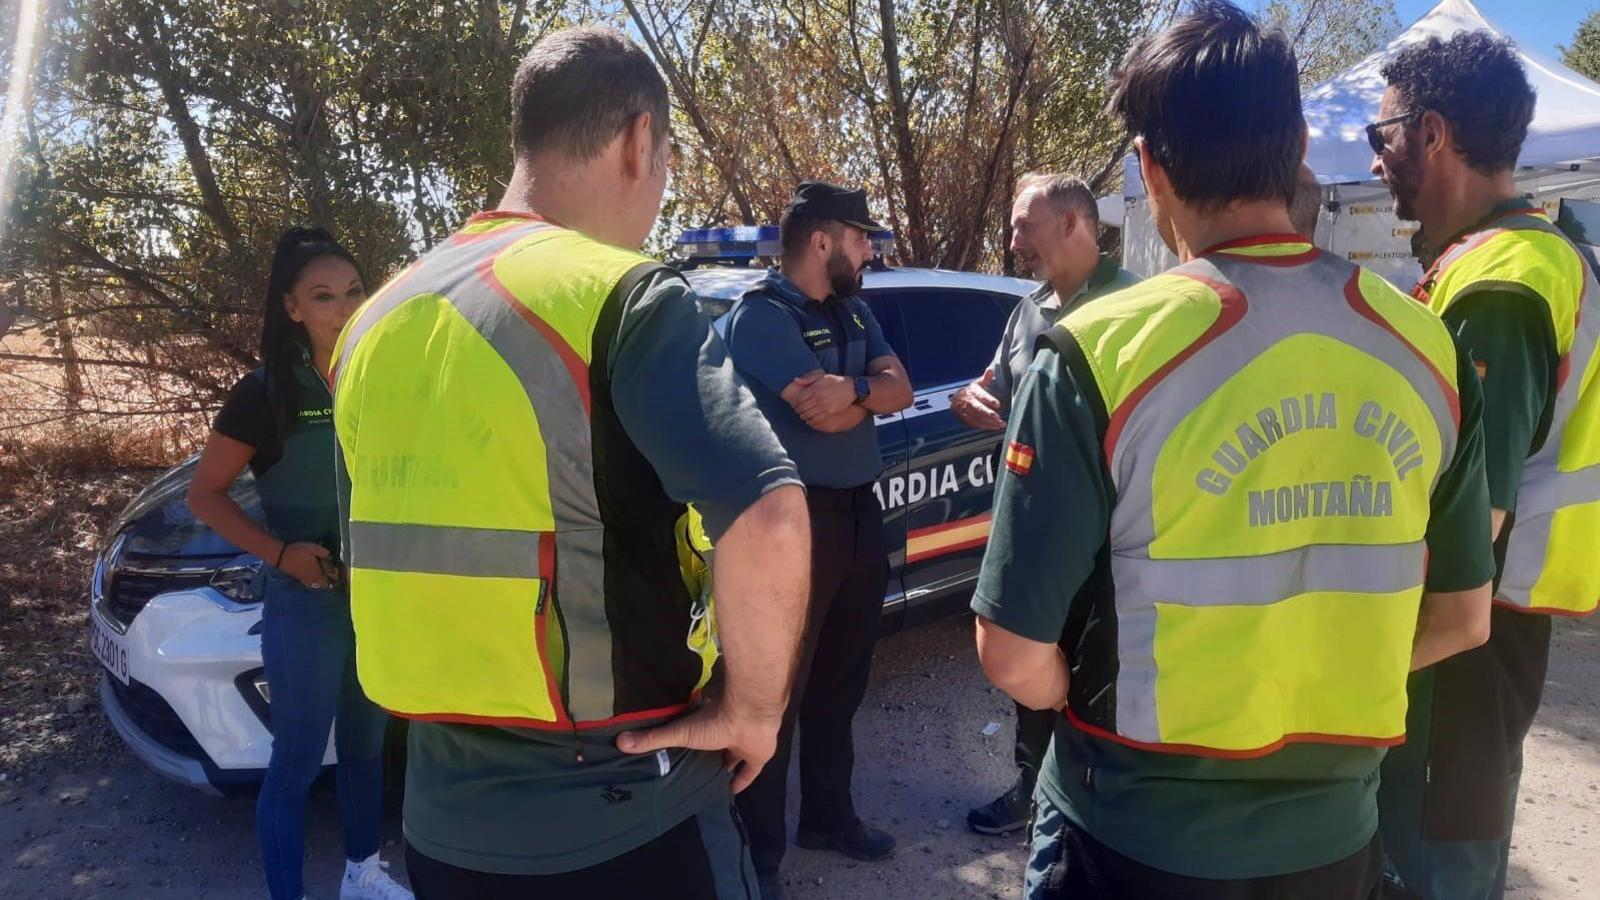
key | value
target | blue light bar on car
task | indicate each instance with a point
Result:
(746, 242)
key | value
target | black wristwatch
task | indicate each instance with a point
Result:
(863, 389)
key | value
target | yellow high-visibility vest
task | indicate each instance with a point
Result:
(512, 562)
(1276, 421)
(1552, 561)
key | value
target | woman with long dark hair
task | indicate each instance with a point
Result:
(278, 420)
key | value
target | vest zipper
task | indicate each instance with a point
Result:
(547, 596)
(566, 671)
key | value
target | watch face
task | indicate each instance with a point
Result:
(863, 388)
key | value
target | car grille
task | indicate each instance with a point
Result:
(131, 589)
(155, 717)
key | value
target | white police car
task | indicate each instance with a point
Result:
(175, 619)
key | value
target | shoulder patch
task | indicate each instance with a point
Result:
(1019, 457)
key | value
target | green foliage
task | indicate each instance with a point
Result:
(169, 142)
(1329, 35)
(1583, 56)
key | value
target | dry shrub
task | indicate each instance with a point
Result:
(67, 467)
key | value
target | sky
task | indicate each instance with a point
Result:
(1538, 24)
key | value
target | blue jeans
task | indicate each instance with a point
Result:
(308, 649)
(1044, 845)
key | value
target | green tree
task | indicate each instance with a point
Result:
(935, 106)
(1583, 56)
(170, 141)
(1329, 35)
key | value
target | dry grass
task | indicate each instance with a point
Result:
(66, 470)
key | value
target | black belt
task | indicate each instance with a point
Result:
(826, 499)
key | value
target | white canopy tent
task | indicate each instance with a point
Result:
(1561, 157)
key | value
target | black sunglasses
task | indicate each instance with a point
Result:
(1375, 138)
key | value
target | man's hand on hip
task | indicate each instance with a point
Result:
(746, 742)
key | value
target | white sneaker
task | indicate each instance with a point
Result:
(369, 880)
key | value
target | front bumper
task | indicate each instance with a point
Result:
(190, 710)
(160, 758)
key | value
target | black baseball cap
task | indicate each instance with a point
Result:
(821, 200)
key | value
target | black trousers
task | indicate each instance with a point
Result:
(1034, 730)
(701, 858)
(1089, 870)
(849, 573)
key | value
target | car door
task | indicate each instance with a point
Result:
(946, 486)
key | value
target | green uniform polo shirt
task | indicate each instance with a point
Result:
(1034, 314)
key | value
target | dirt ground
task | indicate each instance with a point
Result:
(97, 824)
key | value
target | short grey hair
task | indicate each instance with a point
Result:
(578, 88)
(1069, 193)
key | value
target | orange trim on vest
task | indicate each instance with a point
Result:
(1283, 261)
(496, 214)
(1542, 610)
(537, 725)
(1420, 292)
(1342, 740)
(1257, 240)
(576, 367)
(1234, 307)
(1358, 302)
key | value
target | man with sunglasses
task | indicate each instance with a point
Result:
(1521, 301)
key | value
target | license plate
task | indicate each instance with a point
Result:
(108, 647)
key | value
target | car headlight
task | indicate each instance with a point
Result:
(106, 564)
(238, 582)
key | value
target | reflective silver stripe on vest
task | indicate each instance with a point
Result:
(444, 550)
(1544, 489)
(1281, 302)
(1264, 580)
(565, 428)
(451, 266)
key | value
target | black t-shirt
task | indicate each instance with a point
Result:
(247, 417)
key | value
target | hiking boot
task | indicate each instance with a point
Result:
(859, 841)
(1007, 813)
(769, 885)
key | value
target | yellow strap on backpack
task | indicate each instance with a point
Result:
(694, 564)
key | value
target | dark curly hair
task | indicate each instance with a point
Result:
(1216, 98)
(1475, 81)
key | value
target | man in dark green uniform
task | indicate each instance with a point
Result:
(1448, 135)
(1053, 225)
(1072, 602)
(498, 811)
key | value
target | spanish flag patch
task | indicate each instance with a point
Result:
(1019, 457)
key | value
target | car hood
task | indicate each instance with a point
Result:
(158, 521)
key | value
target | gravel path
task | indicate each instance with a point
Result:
(105, 827)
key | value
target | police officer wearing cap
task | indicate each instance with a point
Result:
(820, 369)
